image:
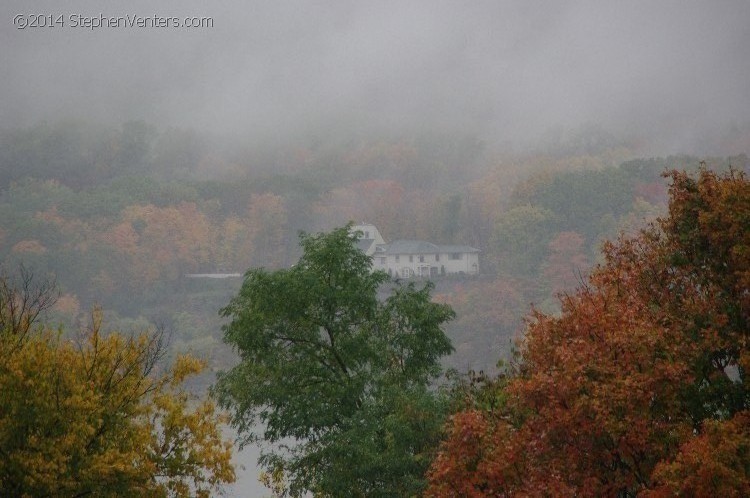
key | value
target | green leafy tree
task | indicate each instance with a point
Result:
(342, 374)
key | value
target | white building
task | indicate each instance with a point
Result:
(370, 238)
(416, 258)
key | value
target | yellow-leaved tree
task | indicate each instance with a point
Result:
(99, 415)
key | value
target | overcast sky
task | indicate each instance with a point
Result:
(503, 70)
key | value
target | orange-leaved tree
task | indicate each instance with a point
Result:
(640, 385)
(97, 416)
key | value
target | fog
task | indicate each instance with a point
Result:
(658, 78)
(674, 72)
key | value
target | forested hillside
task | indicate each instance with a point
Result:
(119, 216)
(194, 302)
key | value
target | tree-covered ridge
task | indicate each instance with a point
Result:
(147, 206)
(121, 215)
(640, 386)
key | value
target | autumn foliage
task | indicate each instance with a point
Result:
(640, 385)
(99, 415)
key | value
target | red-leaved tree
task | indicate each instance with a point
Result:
(640, 385)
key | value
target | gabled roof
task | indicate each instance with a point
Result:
(458, 249)
(364, 244)
(423, 247)
(411, 247)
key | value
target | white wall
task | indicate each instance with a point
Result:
(369, 231)
(467, 263)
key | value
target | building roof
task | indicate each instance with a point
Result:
(458, 249)
(411, 247)
(423, 247)
(364, 244)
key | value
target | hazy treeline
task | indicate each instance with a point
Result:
(120, 214)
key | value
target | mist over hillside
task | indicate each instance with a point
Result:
(136, 152)
(670, 76)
